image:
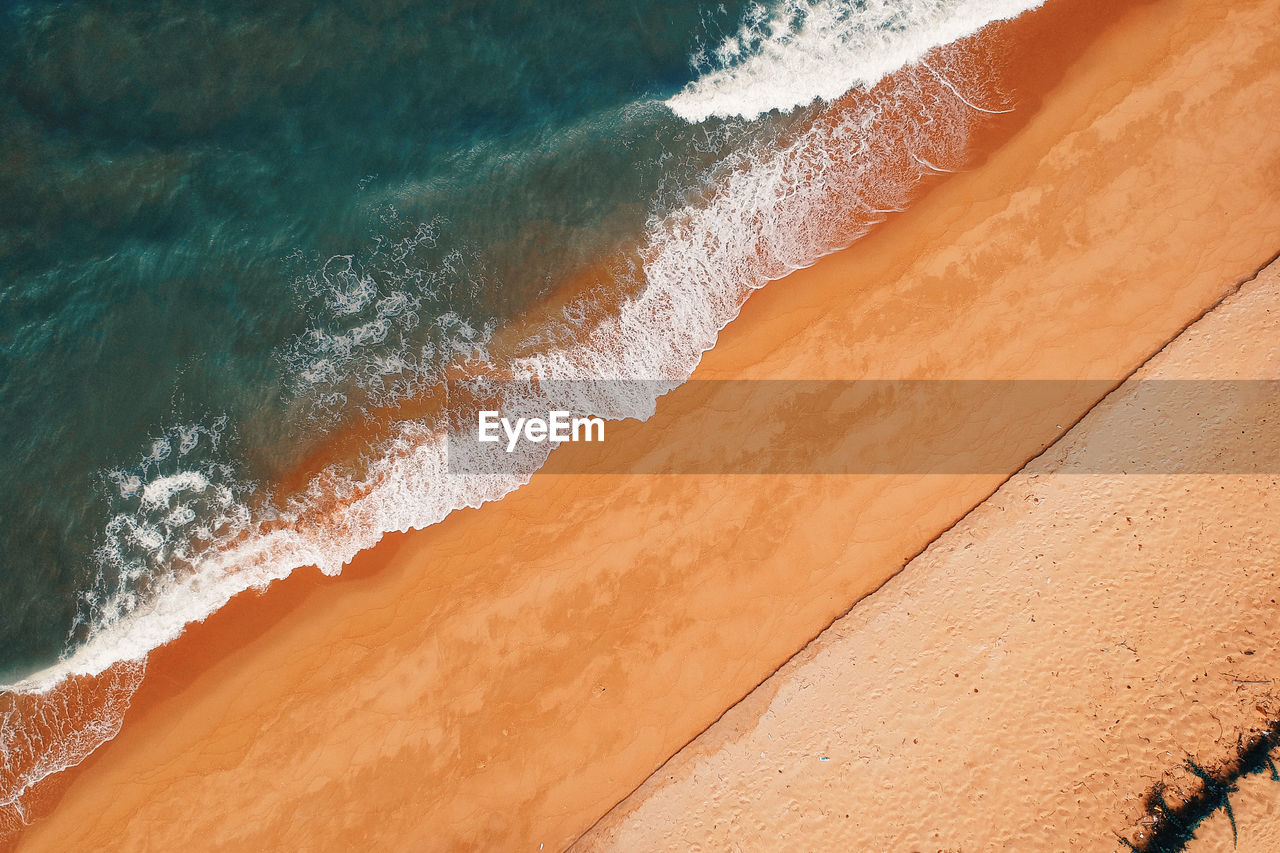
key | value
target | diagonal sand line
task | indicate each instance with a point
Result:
(1068, 433)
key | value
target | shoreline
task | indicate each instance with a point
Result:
(609, 330)
(653, 614)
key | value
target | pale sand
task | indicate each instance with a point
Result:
(509, 675)
(1025, 681)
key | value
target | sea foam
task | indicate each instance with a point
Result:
(791, 53)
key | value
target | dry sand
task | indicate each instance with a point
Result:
(502, 679)
(1024, 682)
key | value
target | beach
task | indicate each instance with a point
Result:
(1076, 643)
(504, 678)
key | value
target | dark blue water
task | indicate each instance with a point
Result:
(228, 228)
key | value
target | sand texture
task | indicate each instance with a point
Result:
(503, 679)
(1025, 681)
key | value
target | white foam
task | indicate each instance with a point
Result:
(793, 52)
(366, 344)
(165, 489)
(50, 733)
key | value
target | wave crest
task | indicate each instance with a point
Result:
(805, 50)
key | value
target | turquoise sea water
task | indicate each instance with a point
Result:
(216, 218)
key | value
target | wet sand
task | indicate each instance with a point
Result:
(506, 677)
(1026, 681)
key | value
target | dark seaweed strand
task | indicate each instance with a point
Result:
(1173, 826)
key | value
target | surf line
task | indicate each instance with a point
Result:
(557, 427)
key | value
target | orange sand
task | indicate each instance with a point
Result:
(1024, 682)
(504, 678)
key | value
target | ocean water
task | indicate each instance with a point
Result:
(230, 226)
(240, 243)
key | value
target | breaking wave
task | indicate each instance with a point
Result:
(790, 53)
